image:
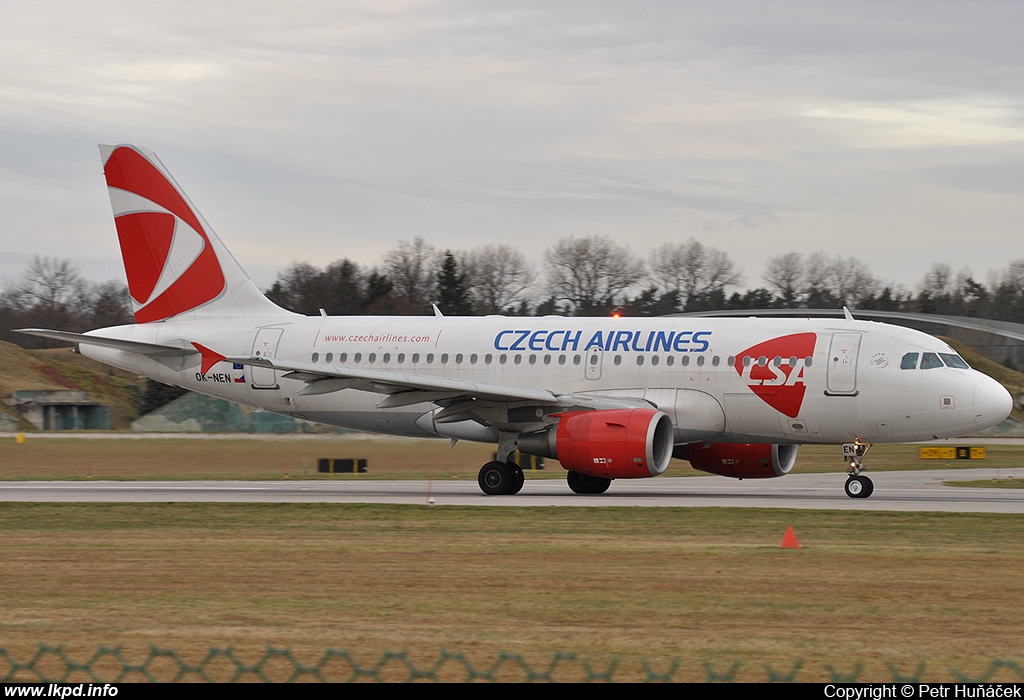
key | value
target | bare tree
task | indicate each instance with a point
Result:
(590, 273)
(498, 277)
(692, 271)
(412, 270)
(50, 282)
(837, 280)
(784, 275)
(938, 281)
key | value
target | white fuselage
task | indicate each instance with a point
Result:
(804, 381)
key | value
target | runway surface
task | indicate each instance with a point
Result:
(894, 491)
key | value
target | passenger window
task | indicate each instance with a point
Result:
(930, 360)
(316, 357)
(909, 361)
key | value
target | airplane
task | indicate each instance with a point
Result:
(609, 398)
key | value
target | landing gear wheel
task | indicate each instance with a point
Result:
(586, 484)
(859, 487)
(497, 479)
(518, 478)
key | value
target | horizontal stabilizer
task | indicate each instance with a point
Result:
(135, 346)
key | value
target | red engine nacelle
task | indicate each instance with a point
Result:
(744, 461)
(620, 444)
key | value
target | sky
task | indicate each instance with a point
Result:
(313, 131)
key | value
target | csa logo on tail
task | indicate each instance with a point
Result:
(169, 260)
(774, 370)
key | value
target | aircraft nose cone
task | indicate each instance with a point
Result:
(992, 403)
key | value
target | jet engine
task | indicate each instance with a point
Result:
(743, 461)
(615, 444)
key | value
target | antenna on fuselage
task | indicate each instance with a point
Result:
(849, 316)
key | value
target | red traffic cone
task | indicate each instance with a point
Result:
(789, 539)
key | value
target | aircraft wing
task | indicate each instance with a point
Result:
(405, 389)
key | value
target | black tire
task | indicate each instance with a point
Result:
(859, 487)
(518, 478)
(869, 487)
(586, 484)
(496, 479)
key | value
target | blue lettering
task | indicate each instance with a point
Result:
(699, 339)
(518, 345)
(663, 341)
(621, 341)
(497, 340)
(610, 341)
(537, 340)
(551, 336)
(596, 341)
(573, 340)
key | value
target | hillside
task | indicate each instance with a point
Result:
(1009, 378)
(60, 368)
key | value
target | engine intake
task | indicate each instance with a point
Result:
(616, 444)
(742, 461)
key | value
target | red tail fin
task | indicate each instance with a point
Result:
(173, 260)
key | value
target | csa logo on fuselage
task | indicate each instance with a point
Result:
(774, 370)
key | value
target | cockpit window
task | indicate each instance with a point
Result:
(954, 361)
(909, 361)
(930, 360)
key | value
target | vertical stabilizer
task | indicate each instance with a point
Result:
(174, 262)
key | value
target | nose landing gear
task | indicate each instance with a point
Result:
(857, 485)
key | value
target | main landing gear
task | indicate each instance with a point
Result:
(587, 484)
(857, 485)
(501, 478)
